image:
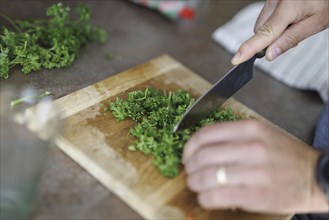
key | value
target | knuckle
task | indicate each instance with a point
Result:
(291, 41)
(266, 30)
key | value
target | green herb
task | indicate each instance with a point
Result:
(109, 56)
(156, 113)
(48, 43)
(28, 98)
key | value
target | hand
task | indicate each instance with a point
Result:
(266, 170)
(281, 25)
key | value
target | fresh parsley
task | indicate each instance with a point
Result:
(156, 113)
(28, 98)
(47, 43)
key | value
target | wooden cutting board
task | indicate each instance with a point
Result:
(99, 144)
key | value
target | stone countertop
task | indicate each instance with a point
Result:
(136, 35)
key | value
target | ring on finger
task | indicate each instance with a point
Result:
(221, 175)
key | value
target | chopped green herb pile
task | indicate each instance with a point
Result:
(47, 43)
(156, 113)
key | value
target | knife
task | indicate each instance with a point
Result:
(224, 88)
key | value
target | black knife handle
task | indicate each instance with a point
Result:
(261, 54)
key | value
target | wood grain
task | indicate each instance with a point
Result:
(99, 144)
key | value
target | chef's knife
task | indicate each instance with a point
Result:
(224, 88)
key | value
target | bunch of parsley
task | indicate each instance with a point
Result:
(156, 113)
(47, 43)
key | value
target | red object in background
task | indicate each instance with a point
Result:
(187, 13)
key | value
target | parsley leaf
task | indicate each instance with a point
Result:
(156, 113)
(48, 43)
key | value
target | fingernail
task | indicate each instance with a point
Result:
(235, 59)
(275, 52)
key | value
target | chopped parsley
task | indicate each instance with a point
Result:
(156, 113)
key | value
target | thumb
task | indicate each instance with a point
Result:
(266, 34)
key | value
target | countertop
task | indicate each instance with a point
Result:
(136, 35)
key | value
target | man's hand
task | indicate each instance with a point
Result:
(282, 24)
(266, 170)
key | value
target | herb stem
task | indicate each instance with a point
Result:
(11, 21)
(26, 98)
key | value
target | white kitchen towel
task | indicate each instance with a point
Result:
(304, 67)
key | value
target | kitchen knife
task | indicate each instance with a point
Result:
(224, 88)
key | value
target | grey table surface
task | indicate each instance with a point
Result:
(136, 35)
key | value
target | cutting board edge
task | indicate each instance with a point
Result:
(93, 96)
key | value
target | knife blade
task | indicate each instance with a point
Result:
(223, 89)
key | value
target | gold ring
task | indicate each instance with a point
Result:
(221, 175)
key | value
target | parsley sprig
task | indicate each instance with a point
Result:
(47, 43)
(156, 113)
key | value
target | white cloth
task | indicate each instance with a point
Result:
(303, 67)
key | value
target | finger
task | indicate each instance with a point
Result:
(266, 13)
(292, 36)
(221, 132)
(203, 180)
(266, 34)
(236, 175)
(228, 197)
(246, 153)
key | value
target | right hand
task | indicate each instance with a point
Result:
(281, 25)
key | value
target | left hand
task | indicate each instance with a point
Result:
(266, 170)
(281, 25)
